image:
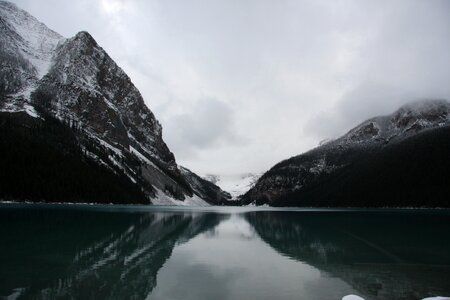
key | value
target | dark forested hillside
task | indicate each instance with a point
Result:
(41, 160)
(397, 160)
(414, 172)
(75, 127)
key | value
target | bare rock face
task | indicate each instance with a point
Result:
(25, 52)
(383, 156)
(35, 41)
(87, 86)
(406, 121)
(76, 82)
(206, 189)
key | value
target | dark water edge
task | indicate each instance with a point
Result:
(148, 252)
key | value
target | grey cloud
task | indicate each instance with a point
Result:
(403, 58)
(361, 103)
(288, 73)
(207, 124)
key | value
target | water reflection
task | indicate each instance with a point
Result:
(397, 255)
(131, 253)
(84, 254)
(232, 262)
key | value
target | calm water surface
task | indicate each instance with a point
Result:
(133, 252)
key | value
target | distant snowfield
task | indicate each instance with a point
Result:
(236, 185)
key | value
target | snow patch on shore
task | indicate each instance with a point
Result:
(163, 199)
(354, 297)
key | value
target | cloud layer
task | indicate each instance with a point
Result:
(239, 85)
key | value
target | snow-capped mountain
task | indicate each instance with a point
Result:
(408, 120)
(236, 184)
(75, 82)
(26, 52)
(400, 159)
(210, 190)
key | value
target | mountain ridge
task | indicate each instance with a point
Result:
(326, 175)
(75, 81)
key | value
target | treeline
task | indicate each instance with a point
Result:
(14, 69)
(414, 172)
(42, 161)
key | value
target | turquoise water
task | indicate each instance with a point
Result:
(139, 252)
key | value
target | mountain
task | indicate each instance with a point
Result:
(71, 102)
(207, 189)
(398, 160)
(235, 184)
(26, 50)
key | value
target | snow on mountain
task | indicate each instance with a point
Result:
(26, 52)
(407, 120)
(313, 173)
(164, 199)
(87, 88)
(38, 41)
(352, 297)
(75, 81)
(86, 85)
(236, 185)
(205, 188)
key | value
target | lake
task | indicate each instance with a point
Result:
(142, 252)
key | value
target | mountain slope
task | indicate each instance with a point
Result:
(391, 161)
(25, 52)
(207, 189)
(85, 86)
(75, 82)
(235, 184)
(41, 161)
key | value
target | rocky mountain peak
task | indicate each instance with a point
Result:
(84, 35)
(75, 82)
(86, 85)
(32, 39)
(408, 119)
(433, 112)
(380, 148)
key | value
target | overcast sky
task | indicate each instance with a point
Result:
(239, 85)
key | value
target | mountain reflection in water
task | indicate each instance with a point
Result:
(383, 255)
(82, 252)
(90, 254)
